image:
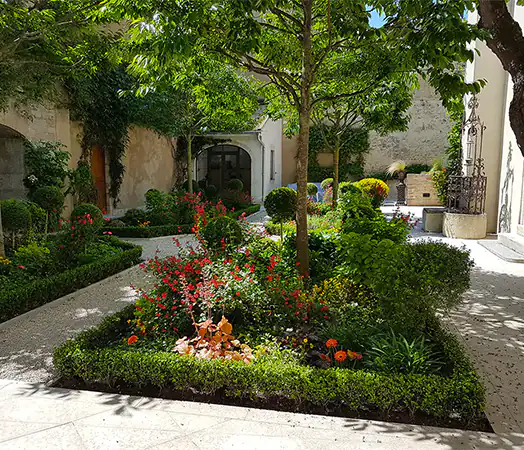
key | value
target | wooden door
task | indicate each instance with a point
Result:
(98, 168)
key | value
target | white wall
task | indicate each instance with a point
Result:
(491, 110)
(271, 136)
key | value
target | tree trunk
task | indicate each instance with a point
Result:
(2, 247)
(189, 163)
(507, 42)
(336, 161)
(304, 111)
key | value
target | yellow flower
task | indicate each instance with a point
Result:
(305, 340)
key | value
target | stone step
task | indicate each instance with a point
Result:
(512, 241)
(502, 251)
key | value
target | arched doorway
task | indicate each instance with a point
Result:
(12, 167)
(219, 164)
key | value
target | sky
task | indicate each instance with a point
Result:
(376, 20)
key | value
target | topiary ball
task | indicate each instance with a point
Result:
(15, 215)
(281, 204)
(135, 217)
(222, 233)
(326, 184)
(235, 185)
(50, 198)
(346, 187)
(89, 212)
(376, 189)
(211, 191)
(312, 189)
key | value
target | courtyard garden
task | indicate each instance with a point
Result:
(232, 320)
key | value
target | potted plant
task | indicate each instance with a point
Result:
(398, 168)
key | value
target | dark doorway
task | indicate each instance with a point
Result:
(224, 163)
(98, 168)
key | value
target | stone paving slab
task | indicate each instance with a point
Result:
(34, 416)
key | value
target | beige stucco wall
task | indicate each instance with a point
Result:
(422, 143)
(289, 161)
(149, 164)
(491, 110)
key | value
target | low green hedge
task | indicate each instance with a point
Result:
(274, 228)
(89, 358)
(18, 301)
(148, 232)
(168, 230)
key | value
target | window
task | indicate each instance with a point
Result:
(272, 166)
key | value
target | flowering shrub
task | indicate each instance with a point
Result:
(376, 189)
(334, 356)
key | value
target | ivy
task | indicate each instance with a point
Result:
(352, 154)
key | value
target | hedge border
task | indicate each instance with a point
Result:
(148, 232)
(37, 293)
(168, 230)
(88, 358)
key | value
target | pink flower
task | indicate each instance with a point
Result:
(21, 267)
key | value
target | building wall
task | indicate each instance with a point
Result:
(511, 193)
(491, 110)
(12, 170)
(424, 141)
(271, 136)
(149, 164)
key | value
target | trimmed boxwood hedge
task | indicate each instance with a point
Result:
(148, 232)
(89, 358)
(168, 230)
(18, 301)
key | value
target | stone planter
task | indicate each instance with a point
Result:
(433, 219)
(465, 226)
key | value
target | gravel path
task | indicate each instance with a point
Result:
(27, 341)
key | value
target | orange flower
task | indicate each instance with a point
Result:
(325, 357)
(340, 355)
(331, 343)
(132, 340)
(354, 355)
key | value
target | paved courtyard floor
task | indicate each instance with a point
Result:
(34, 416)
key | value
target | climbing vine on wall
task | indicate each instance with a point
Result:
(355, 145)
(106, 114)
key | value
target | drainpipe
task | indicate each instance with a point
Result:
(259, 138)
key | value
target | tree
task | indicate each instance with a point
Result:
(289, 42)
(41, 43)
(2, 247)
(507, 42)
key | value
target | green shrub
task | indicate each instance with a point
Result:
(247, 211)
(34, 258)
(160, 208)
(211, 191)
(19, 300)
(326, 184)
(275, 228)
(135, 217)
(38, 217)
(185, 186)
(222, 233)
(281, 204)
(89, 212)
(411, 281)
(16, 216)
(50, 198)
(312, 189)
(355, 206)
(378, 227)
(90, 358)
(376, 189)
(82, 183)
(235, 185)
(347, 186)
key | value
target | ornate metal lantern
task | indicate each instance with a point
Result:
(467, 190)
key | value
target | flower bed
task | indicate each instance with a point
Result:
(230, 320)
(19, 300)
(456, 400)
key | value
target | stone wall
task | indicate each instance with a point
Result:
(423, 142)
(12, 170)
(421, 191)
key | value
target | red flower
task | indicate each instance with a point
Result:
(132, 339)
(325, 357)
(331, 343)
(340, 355)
